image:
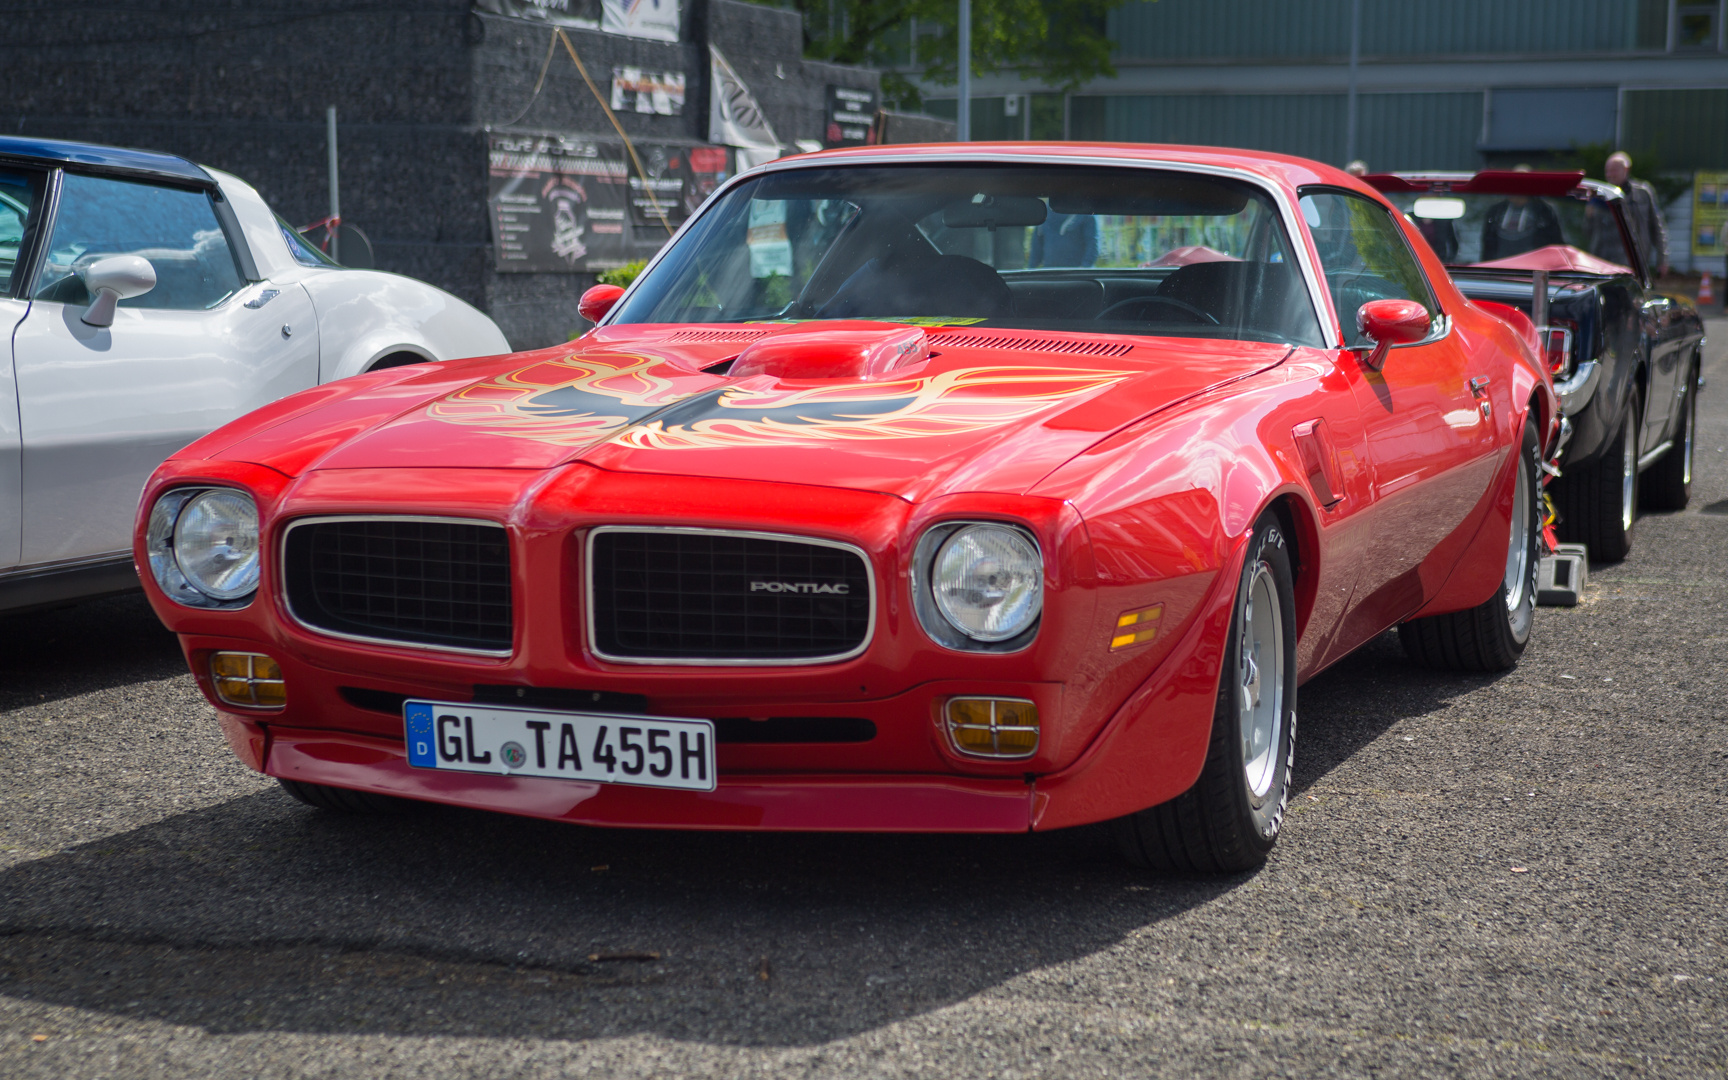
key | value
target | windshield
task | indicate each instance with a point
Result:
(1065, 248)
(1468, 229)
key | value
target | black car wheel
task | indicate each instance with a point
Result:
(1229, 819)
(1491, 636)
(1667, 485)
(1598, 501)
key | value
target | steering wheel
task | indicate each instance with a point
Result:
(1183, 305)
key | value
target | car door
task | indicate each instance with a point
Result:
(1426, 414)
(1663, 332)
(101, 407)
(20, 197)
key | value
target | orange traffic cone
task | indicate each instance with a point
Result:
(1706, 291)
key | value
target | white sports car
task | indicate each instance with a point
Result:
(146, 301)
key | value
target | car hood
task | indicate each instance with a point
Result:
(907, 414)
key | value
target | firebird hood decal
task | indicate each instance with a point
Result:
(968, 419)
(580, 400)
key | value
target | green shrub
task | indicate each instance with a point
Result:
(622, 275)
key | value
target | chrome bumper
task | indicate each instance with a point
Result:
(1575, 392)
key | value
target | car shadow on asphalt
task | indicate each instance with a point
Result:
(94, 645)
(260, 914)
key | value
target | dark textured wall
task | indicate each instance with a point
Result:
(416, 83)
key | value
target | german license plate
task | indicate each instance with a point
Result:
(652, 751)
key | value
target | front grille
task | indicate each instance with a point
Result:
(441, 583)
(696, 596)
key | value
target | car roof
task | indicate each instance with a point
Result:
(100, 158)
(1290, 172)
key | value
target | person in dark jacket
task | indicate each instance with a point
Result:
(1643, 212)
(1519, 224)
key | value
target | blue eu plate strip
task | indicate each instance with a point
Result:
(422, 749)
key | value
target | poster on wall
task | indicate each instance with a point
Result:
(582, 14)
(1709, 213)
(636, 90)
(575, 204)
(850, 113)
(653, 19)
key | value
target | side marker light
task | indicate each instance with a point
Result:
(250, 679)
(1136, 627)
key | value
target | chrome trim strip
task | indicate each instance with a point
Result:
(1293, 223)
(1655, 455)
(288, 607)
(1576, 390)
(82, 562)
(802, 661)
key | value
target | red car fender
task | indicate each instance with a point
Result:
(1153, 747)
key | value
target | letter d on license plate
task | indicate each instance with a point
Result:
(652, 751)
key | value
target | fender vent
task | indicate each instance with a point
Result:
(716, 337)
(1049, 345)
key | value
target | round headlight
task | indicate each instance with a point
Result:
(988, 581)
(216, 544)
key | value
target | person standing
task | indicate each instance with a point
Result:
(1643, 212)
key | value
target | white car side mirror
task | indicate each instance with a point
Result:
(111, 280)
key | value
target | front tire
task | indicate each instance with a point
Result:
(1491, 636)
(1229, 820)
(1598, 502)
(1668, 483)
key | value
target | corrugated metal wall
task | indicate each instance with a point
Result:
(1686, 129)
(1218, 29)
(1395, 131)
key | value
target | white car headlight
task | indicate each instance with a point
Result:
(203, 546)
(985, 581)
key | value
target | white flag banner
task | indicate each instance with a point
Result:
(735, 118)
(656, 19)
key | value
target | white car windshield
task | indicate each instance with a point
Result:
(1060, 248)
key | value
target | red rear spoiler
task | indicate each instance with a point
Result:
(1486, 182)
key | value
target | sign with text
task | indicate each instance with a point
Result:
(635, 90)
(850, 113)
(582, 14)
(575, 203)
(653, 19)
(1709, 213)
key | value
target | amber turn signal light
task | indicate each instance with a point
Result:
(992, 727)
(250, 679)
(1136, 627)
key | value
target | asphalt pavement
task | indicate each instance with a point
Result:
(1515, 875)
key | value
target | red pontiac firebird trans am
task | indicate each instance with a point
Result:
(952, 488)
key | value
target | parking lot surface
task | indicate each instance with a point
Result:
(1514, 875)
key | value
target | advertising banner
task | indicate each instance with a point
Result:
(1709, 213)
(582, 14)
(734, 117)
(850, 114)
(635, 90)
(574, 203)
(654, 19)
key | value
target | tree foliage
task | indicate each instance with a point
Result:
(1060, 43)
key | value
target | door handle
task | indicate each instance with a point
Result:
(1479, 388)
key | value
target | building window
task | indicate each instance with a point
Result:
(1693, 25)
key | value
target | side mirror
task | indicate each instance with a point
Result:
(1391, 322)
(111, 280)
(596, 302)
